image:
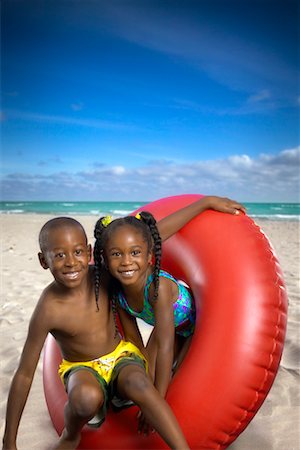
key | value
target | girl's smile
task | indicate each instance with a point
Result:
(127, 273)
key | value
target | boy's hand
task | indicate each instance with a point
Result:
(9, 447)
(225, 205)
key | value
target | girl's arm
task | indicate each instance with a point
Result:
(131, 330)
(165, 336)
(172, 223)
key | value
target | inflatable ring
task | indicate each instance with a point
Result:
(241, 319)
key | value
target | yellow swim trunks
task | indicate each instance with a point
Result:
(106, 370)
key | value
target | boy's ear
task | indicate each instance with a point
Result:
(42, 260)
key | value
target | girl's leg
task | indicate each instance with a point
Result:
(85, 398)
(134, 384)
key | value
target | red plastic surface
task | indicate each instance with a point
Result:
(236, 349)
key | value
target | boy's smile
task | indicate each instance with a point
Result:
(72, 275)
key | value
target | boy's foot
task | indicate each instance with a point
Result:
(66, 443)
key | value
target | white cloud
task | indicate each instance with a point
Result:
(259, 96)
(77, 106)
(268, 177)
(66, 120)
(241, 161)
(118, 170)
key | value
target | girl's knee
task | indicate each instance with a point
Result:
(85, 400)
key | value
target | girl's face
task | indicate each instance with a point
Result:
(127, 255)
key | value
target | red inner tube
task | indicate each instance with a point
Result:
(241, 305)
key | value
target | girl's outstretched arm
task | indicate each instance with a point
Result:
(172, 223)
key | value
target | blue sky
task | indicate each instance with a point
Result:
(141, 99)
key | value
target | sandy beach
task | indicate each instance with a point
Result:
(275, 427)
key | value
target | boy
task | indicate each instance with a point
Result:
(67, 310)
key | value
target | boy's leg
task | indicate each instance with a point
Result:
(134, 384)
(85, 399)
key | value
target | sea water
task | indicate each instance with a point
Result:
(270, 211)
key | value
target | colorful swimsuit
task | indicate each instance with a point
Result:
(184, 307)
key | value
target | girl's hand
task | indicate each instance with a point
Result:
(143, 425)
(225, 205)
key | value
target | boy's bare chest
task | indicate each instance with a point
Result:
(85, 319)
(85, 331)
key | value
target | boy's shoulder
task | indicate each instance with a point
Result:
(49, 292)
(47, 298)
(51, 299)
(46, 311)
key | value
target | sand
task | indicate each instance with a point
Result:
(276, 425)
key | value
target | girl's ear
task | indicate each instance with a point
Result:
(150, 258)
(42, 260)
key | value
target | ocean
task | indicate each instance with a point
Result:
(269, 211)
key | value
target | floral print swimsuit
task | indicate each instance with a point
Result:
(183, 307)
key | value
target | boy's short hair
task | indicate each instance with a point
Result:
(57, 222)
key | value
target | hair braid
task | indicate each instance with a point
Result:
(114, 302)
(97, 275)
(101, 234)
(150, 221)
(98, 257)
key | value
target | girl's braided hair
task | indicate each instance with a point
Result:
(143, 222)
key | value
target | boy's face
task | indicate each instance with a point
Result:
(127, 255)
(67, 255)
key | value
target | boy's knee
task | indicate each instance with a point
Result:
(85, 400)
(135, 383)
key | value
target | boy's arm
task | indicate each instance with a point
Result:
(172, 223)
(22, 380)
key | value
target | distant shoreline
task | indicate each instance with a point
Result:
(262, 211)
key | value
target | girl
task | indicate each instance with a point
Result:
(130, 248)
